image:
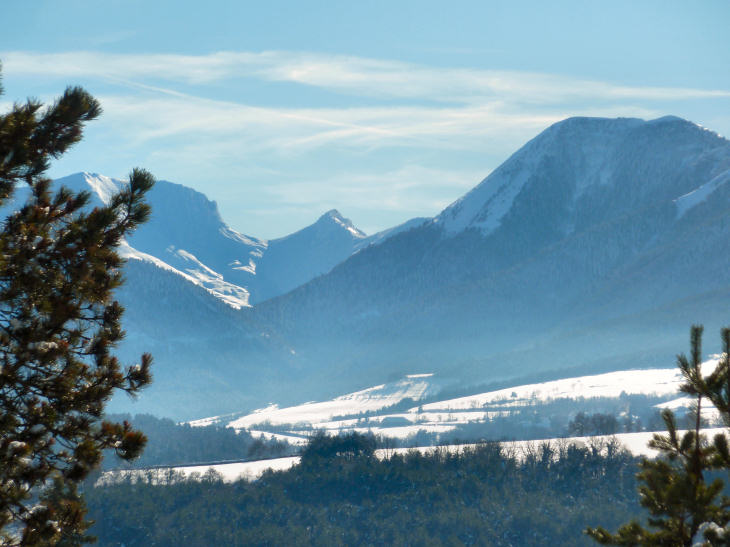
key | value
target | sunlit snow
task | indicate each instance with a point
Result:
(367, 411)
(664, 381)
(694, 198)
(102, 186)
(231, 294)
(374, 398)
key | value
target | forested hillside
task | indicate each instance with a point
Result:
(169, 443)
(345, 496)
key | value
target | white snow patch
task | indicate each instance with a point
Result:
(404, 425)
(350, 228)
(229, 471)
(708, 411)
(205, 422)
(695, 197)
(230, 233)
(612, 384)
(485, 205)
(250, 267)
(231, 294)
(104, 187)
(370, 399)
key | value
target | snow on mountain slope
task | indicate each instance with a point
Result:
(701, 194)
(198, 274)
(185, 234)
(188, 236)
(585, 152)
(484, 207)
(291, 261)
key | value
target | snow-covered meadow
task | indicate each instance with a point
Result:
(393, 409)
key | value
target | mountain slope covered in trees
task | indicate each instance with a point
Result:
(593, 246)
(590, 249)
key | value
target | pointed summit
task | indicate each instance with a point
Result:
(333, 217)
(312, 251)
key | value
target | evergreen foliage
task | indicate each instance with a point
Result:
(484, 495)
(323, 448)
(686, 503)
(171, 444)
(594, 424)
(58, 325)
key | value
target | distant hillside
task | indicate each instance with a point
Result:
(595, 245)
(592, 248)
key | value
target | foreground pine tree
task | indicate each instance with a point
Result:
(58, 327)
(685, 506)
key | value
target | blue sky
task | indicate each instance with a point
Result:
(384, 110)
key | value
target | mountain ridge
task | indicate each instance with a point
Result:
(564, 248)
(594, 246)
(186, 233)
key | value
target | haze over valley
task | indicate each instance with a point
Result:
(589, 250)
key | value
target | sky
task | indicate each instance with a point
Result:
(384, 110)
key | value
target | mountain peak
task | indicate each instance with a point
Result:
(668, 118)
(332, 213)
(579, 156)
(333, 217)
(598, 128)
(101, 187)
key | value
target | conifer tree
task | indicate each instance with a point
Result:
(59, 325)
(686, 507)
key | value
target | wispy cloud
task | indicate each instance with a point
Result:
(296, 131)
(408, 191)
(183, 117)
(396, 79)
(353, 75)
(441, 107)
(410, 186)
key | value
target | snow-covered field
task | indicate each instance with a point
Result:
(345, 413)
(661, 381)
(229, 471)
(369, 410)
(414, 386)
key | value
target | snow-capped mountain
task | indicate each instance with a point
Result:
(589, 159)
(187, 236)
(593, 248)
(190, 283)
(595, 245)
